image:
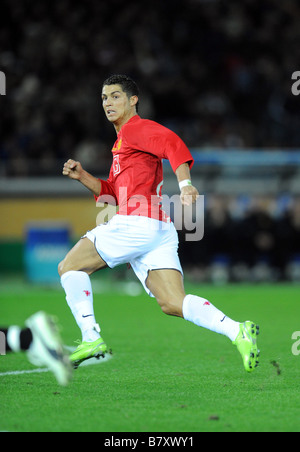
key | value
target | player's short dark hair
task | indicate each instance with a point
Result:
(128, 85)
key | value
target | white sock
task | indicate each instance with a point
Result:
(79, 296)
(201, 312)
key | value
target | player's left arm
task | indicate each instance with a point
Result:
(165, 144)
(188, 193)
(181, 161)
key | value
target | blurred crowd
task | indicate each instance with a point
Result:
(246, 239)
(217, 72)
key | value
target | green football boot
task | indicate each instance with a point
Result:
(246, 344)
(88, 350)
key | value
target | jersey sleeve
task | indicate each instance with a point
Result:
(158, 140)
(176, 151)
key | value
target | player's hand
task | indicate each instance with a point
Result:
(72, 169)
(188, 195)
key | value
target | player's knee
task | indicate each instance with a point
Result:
(60, 268)
(64, 266)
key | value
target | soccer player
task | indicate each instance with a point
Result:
(41, 342)
(140, 234)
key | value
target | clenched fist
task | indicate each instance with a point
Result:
(73, 169)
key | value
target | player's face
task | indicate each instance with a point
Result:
(116, 104)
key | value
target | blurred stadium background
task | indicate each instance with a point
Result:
(218, 73)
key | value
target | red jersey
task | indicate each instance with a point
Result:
(136, 175)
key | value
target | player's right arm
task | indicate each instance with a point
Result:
(74, 171)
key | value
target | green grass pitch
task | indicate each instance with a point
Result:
(166, 374)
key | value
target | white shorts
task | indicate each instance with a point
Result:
(145, 243)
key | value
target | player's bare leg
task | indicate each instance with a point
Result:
(82, 257)
(168, 289)
(74, 270)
